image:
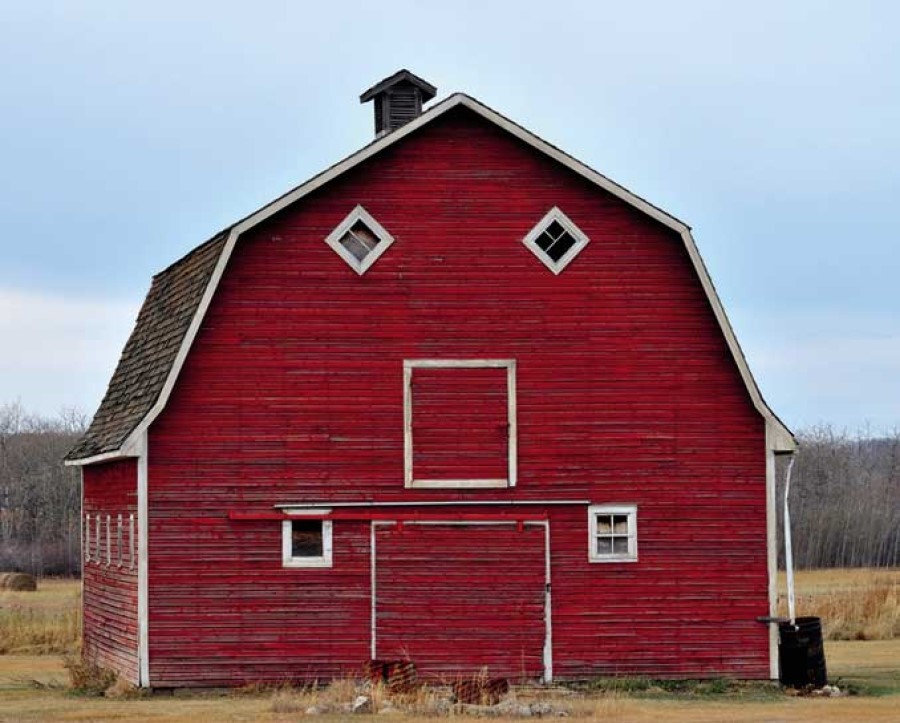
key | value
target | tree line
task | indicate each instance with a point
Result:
(844, 497)
(40, 500)
(844, 500)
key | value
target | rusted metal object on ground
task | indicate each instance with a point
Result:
(480, 691)
(398, 676)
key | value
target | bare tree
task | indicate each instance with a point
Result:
(39, 497)
(845, 500)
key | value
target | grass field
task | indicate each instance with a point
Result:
(854, 604)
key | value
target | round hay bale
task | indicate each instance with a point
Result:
(18, 581)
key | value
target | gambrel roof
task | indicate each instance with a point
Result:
(179, 296)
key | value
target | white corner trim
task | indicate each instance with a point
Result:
(360, 266)
(86, 546)
(581, 240)
(782, 440)
(143, 568)
(771, 554)
(409, 481)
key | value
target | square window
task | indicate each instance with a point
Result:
(612, 533)
(459, 420)
(556, 240)
(359, 240)
(306, 541)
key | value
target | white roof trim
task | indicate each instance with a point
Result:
(780, 436)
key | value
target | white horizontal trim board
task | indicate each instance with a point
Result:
(779, 435)
(441, 484)
(548, 599)
(433, 503)
(409, 365)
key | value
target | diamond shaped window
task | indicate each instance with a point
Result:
(556, 240)
(359, 239)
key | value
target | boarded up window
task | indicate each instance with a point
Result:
(461, 426)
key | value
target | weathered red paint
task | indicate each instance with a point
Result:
(293, 393)
(451, 593)
(110, 590)
(459, 423)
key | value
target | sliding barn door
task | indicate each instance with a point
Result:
(456, 599)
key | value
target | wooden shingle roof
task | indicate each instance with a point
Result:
(150, 351)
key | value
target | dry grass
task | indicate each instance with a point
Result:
(33, 687)
(17, 581)
(43, 622)
(853, 604)
(30, 690)
(87, 678)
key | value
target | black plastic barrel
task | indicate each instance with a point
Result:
(801, 654)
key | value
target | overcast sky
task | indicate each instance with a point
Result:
(130, 132)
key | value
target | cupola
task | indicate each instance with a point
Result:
(398, 100)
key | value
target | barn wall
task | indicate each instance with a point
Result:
(627, 393)
(110, 582)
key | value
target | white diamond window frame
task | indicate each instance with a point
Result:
(581, 240)
(357, 215)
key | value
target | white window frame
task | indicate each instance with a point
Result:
(287, 559)
(108, 540)
(384, 240)
(631, 512)
(409, 366)
(581, 240)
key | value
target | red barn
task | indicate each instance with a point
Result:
(458, 399)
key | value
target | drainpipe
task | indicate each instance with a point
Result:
(788, 551)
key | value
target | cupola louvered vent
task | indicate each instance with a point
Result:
(398, 100)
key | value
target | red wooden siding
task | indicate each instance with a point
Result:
(223, 610)
(110, 590)
(459, 423)
(459, 598)
(293, 393)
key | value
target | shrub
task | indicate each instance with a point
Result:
(88, 678)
